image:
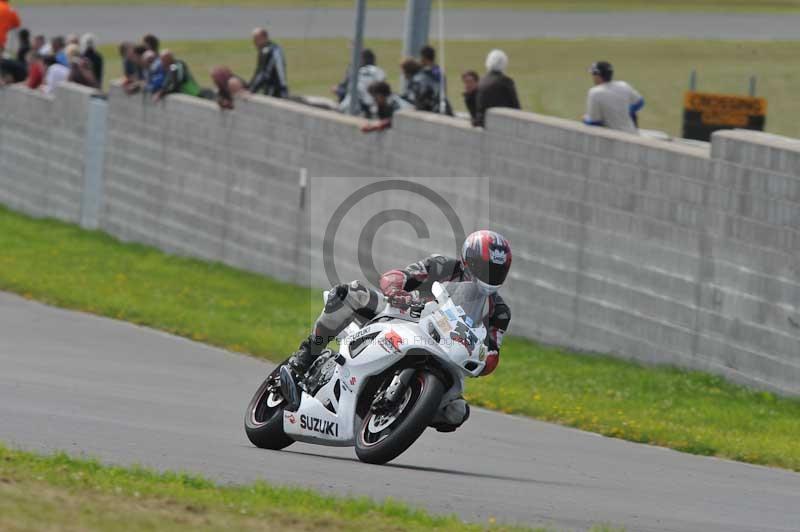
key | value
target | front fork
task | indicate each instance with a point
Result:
(387, 399)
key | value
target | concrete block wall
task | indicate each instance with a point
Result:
(637, 247)
(648, 250)
(42, 148)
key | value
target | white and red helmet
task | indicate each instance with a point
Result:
(486, 257)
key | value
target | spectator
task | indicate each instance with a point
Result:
(9, 20)
(36, 70)
(151, 42)
(495, 88)
(132, 71)
(11, 71)
(73, 38)
(154, 72)
(228, 84)
(90, 53)
(80, 70)
(39, 43)
(386, 105)
(57, 46)
(426, 86)
(470, 79)
(24, 38)
(55, 75)
(368, 73)
(409, 66)
(178, 79)
(270, 75)
(612, 104)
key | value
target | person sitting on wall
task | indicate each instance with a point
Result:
(612, 104)
(495, 88)
(178, 79)
(270, 75)
(386, 105)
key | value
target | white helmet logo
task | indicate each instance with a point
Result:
(497, 256)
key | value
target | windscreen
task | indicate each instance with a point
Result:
(468, 297)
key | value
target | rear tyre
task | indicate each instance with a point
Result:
(382, 438)
(263, 420)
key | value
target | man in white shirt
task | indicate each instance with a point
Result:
(55, 76)
(612, 104)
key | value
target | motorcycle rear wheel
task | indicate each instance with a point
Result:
(381, 439)
(263, 420)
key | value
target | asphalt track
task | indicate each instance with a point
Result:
(116, 24)
(126, 394)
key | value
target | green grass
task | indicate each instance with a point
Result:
(546, 5)
(689, 411)
(59, 493)
(551, 75)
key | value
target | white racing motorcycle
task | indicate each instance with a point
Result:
(386, 383)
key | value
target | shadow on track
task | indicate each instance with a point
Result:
(439, 470)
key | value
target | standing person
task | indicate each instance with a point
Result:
(612, 104)
(55, 75)
(24, 38)
(80, 71)
(470, 79)
(270, 75)
(495, 88)
(36, 70)
(425, 88)
(151, 42)
(368, 73)
(154, 72)
(410, 67)
(57, 45)
(178, 79)
(39, 44)
(90, 53)
(9, 20)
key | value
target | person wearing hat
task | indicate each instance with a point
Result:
(612, 104)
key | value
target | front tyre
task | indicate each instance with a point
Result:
(384, 437)
(263, 420)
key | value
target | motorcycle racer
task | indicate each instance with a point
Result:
(485, 260)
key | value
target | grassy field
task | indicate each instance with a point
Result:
(547, 5)
(58, 493)
(551, 75)
(689, 411)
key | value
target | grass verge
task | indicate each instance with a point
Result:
(551, 75)
(693, 412)
(59, 493)
(713, 6)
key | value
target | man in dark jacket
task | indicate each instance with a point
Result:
(425, 87)
(495, 89)
(470, 79)
(270, 75)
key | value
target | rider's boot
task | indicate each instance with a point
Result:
(295, 369)
(306, 354)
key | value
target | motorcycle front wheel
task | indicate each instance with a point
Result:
(263, 421)
(383, 437)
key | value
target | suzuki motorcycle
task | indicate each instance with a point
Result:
(385, 384)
